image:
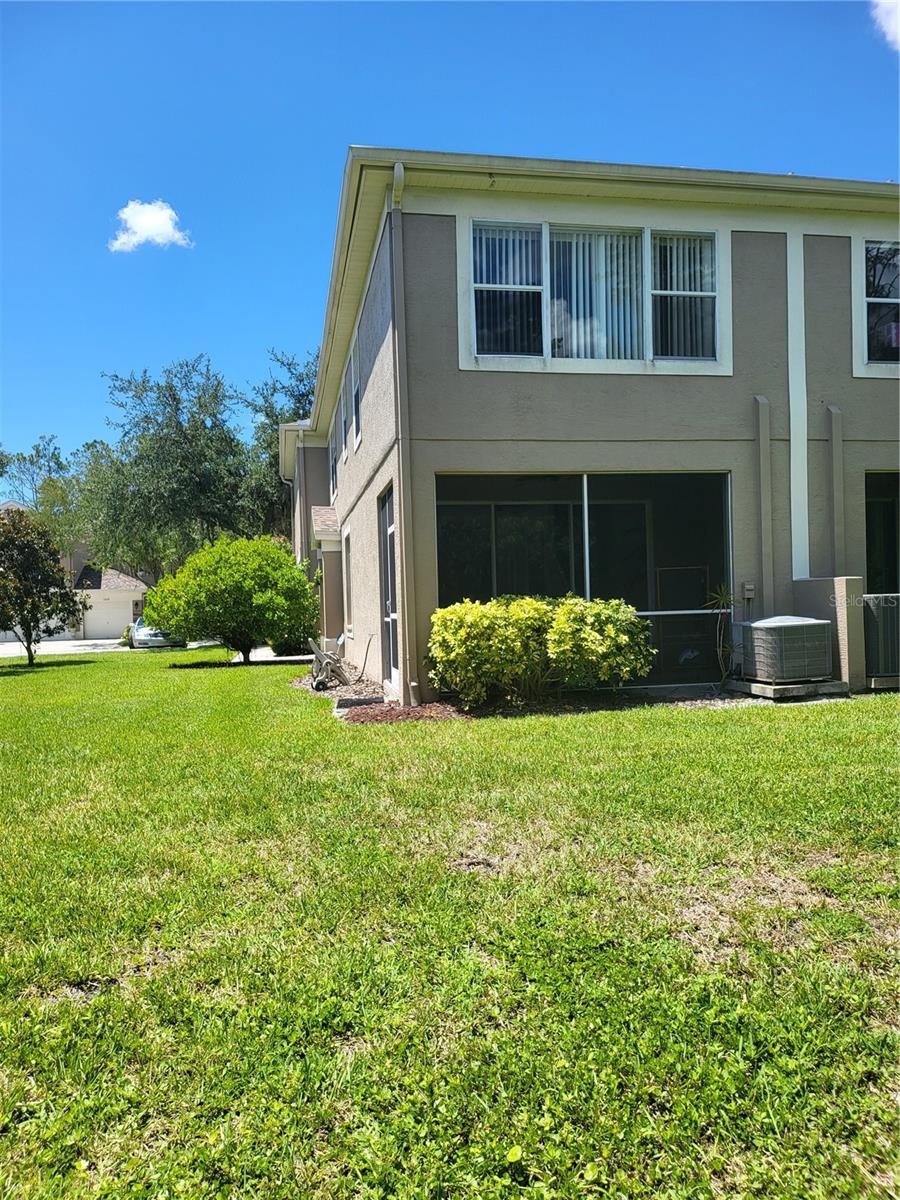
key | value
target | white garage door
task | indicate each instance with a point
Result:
(107, 616)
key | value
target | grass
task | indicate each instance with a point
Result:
(249, 951)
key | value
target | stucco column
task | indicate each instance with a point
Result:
(836, 439)
(850, 618)
(764, 450)
(332, 594)
(838, 599)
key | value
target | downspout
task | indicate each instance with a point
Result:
(401, 400)
(289, 483)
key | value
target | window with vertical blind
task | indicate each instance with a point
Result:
(554, 292)
(508, 277)
(596, 288)
(684, 295)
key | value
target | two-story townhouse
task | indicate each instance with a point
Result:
(542, 377)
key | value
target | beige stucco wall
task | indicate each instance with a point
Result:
(868, 406)
(497, 421)
(377, 405)
(447, 402)
(366, 471)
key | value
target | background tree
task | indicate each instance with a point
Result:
(285, 395)
(36, 596)
(43, 479)
(112, 512)
(174, 479)
(177, 473)
(241, 592)
(58, 508)
(25, 471)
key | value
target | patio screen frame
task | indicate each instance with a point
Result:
(586, 502)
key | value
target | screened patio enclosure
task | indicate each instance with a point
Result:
(658, 541)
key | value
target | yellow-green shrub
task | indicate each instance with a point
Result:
(497, 648)
(594, 642)
(521, 647)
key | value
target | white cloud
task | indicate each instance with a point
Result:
(155, 222)
(886, 15)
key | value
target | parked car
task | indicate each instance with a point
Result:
(144, 637)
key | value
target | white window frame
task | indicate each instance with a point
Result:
(347, 561)
(544, 227)
(333, 455)
(649, 235)
(587, 215)
(345, 415)
(354, 392)
(862, 368)
(564, 227)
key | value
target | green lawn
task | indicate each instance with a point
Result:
(249, 951)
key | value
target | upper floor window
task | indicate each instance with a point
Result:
(882, 302)
(547, 291)
(345, 406)
(684, 295)
(596, 290)
(333, 453)
(508, 276)
(354, 367)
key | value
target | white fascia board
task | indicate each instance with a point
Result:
(528, 174)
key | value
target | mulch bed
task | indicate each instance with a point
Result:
(361, 703)
(369, 707)
(363, 689)
(385, 714)
(612, 701)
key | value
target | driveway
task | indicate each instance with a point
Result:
(79, 646)
(63, 646)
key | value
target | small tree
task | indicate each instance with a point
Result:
(36, 596)
(239, 591)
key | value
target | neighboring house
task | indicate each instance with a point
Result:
(115, 601)
(541, 376)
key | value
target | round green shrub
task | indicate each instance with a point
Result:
(239, 591)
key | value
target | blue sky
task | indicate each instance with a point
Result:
(238, 116)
